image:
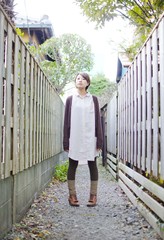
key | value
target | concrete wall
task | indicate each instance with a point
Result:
(18, 192)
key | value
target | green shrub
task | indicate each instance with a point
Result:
(61, 172)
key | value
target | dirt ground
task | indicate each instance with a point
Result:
(50, 216)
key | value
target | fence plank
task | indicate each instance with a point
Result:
(155, 164)
(139, 69)
(143, 160)
(22, 90)
(148, 200)
(31, 112)
(135, 114)
(125, 121)
(48, 125)
(119, 130)
(27, 109)
(43, 119)
(143, 210)
(111, 126)
(121, 124)
(51, 139)
(15, 107)
(37, 113)
(149, 108)
(129, 116)
(34, 113)
(132, 115)
(1, 86)
(161, 47)
(40, 116)
(152, 187)
(45, 125)
(8, 103)
(126, 118)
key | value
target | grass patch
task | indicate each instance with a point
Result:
(61, 172)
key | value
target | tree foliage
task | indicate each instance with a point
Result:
(102, 87)
(67, 55)
(8, 6)
(143, 14)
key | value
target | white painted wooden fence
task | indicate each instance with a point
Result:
(135, 148)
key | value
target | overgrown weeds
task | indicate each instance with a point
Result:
(61, 171)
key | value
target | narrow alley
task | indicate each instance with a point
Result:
(114, 217)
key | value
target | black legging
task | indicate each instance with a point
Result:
(73, 166)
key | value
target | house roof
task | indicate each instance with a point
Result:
(42, 24)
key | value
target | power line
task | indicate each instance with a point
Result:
(28, 29)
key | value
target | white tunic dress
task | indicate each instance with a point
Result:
(82, 142)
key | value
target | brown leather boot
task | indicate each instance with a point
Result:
(92, 201)
(73, 201)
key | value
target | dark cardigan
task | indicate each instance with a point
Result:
(67, 123)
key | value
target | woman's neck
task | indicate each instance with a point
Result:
(82, 92)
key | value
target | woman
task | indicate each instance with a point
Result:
(82, 136)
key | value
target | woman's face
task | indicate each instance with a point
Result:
(81, 83)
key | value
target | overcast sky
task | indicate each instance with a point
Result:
(66, 17)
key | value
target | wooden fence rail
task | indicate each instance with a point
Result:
(135, 130)
(30, 109)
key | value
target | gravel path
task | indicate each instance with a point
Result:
(50, 217)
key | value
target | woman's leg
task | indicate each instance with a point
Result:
(93, 170)
(72, 169)
(94, 182)
(71, 182)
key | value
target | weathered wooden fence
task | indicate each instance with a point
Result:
(30, 109)
(31, 119)
(135, 130)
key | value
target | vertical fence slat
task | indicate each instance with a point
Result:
(1, 84)
(149, 108)
(43, 119)
(161, 47)
(27, 110)
(31, 112)
(21, 125)
(139, 113)
(111, 121)
(50, 136)
(143, 160)
(8, 104)
(40, 116)
(53, 123)
(135, 114)
(129, 116)
(37, 113)
(155, 102)
(119, 130)
(120, 124)
(48, 127)
(52, 140)
(132, 114)
(15, 107)
(126, 118)
(45, 125)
